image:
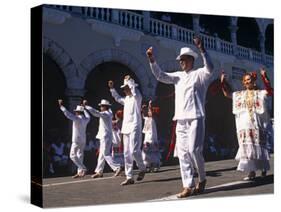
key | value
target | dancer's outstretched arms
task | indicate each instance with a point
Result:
(92, 110)
(266, 82)
(114, 93)
(224, 88)
(205, 56)
(66, 112)
(168, 78)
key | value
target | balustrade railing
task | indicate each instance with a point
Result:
(243, 52)
(102, 14)
(157, 27)
(160, 28)
(226, 47)
(257, 56)
(130, 19)
(185, 35)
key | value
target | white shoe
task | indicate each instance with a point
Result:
(251, 176)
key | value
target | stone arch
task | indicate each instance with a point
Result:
(215, 25)
(248, 34)
(63, 60)
(120, 56)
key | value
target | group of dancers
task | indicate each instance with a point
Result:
(109, 133)
(249, 108)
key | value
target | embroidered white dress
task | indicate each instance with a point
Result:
(249, 108)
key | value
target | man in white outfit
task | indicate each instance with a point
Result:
(190, 90)
(131, 127)
(80, 121)
(105, 137)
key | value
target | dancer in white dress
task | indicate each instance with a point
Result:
(251, 116)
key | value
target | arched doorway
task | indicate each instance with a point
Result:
(96, 83)
(215, 25)
(55, 125)
(165, 100)
(220, 136)
(54, 86)
(248, 33)
(269, 39)
(97, 89)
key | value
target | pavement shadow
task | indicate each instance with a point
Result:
(259, 181)
(218, 172)
(160, 180)
(166, 170)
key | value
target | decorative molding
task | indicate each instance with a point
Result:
(54, 16)
(118, 32)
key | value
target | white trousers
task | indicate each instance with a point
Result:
(77, 155)
(105, 156)
(190, 141)
(132, 151)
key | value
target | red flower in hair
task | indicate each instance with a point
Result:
(119, 114)
(156, 110)
(254, 75)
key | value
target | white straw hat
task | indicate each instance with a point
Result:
(187, 51)
(128, 81)
(79, 108)
(104, 102)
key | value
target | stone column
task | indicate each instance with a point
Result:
(115, 16)
(174, 32)
(262, 47)
(196, 25)
(146, 21)
(218, 43)
(233, 30)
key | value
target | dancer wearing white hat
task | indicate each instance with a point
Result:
(79, 127)
(190, 90)
(131, 127)
(105, 137)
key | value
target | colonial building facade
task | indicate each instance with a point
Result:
(84, 47)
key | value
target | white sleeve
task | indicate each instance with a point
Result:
(68, 114)
(95, 112)
(208, 65)
(206, 72)
(87, 115)
(117, 97)
(168, 78)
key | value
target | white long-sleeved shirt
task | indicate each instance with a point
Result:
(132, 110)
(105, 122)
(79, 125)
(190, 88)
